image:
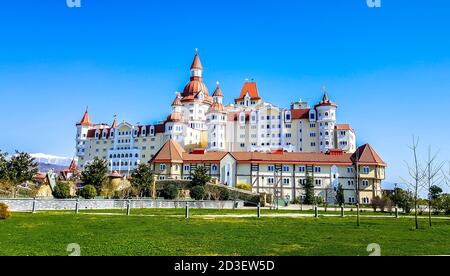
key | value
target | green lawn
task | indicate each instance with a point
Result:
(50, 233)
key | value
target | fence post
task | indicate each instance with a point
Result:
(342, 211)
(77, 207)
(128, 207)
(316, 211)
(396, 212)
(34, 206)
(187, 210)
(259, 210)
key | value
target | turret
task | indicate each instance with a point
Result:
(82, 133)
(216, 122)
(326, 118)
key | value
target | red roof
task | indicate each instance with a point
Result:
(344, 127)
(251, 89)
(73, 167)
(298, 114)
(366, 155)
(86, 120)
(177, 101)
(171, 152)
(196, 63)
(114, 124)
(218, 92)
(326, 101)
(175, 117)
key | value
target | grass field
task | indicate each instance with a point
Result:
(50, 233)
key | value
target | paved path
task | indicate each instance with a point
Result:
(263, 215)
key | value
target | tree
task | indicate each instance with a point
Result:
(416, 177)
(95, 174)
(170, 192)
(435, 192)
(142, 179)
(404, 200)
(309, 191)
(61, 191)
(433, 171)
(198, 192)
(340, 197)
(200, 177)
(3, 166)
(20, 169)
(88, 192)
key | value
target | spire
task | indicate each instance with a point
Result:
(325, 95)
(114, 124)
(196, 64)
(218, 91)
(86, 120)
(177, 101)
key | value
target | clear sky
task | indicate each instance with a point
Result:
(387, 68)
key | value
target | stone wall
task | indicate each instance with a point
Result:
(26, 205)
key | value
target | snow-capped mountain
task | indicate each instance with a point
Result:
(51, 159)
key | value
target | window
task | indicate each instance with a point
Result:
(318, 182)
(317, 169)
(365, 183)
(312, 134)
(214, 168)
(302, 169)
(366, 170)
(351, 183)
(302, 181)
(286, 181)
(286, 169)
(350, 170)
(271, 168)
(162, 177)
(270, 180)
(242, 145)
(351, 200)
(162, 167)
(366, 200)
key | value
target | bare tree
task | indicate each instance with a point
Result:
(416, 176)
(433, 177)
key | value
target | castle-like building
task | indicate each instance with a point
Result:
(248, 142)
(201, 120)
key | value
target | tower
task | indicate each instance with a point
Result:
(326, 118)
(83, 128)
(216, 122)
(175, 125)
(195, 97)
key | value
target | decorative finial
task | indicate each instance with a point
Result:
(196, 50)
(218, 83)
(324, 89)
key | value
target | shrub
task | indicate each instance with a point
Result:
(198, 193)
(62, 191)
(170, 192)
(88, 192)
(4, 211)
(246, 187)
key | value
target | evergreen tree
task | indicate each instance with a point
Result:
(200, 177)
(95, 174)
(142, 179)
(340, 198)
(310, 197)
(20, 169)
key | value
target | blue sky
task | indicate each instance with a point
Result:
(388, 68)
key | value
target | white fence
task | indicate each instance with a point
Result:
(29, 205)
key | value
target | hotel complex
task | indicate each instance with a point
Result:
(248, 142)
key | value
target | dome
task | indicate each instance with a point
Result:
(195, 86)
